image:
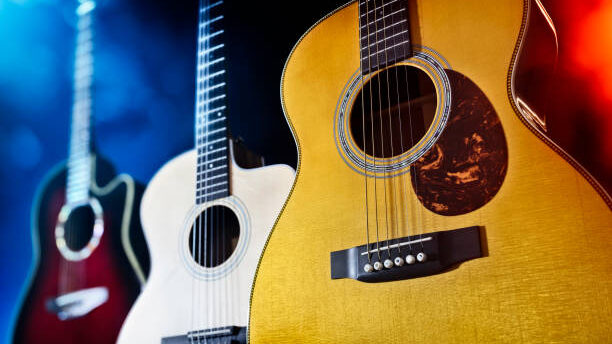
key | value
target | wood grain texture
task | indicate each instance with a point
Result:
(547, 275)
(175, 301)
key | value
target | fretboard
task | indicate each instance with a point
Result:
(384, 33)
(79, 160)
(212, 174)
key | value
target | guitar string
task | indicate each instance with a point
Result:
(365, 165)
(201, 161)
(369, 58)
(380, 115)
(402, 179)
(412, 170)
(372, 136)
(209, 211)
(390, 132)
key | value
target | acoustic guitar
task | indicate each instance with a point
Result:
(206, 220)
(90, 257)
(426, 208)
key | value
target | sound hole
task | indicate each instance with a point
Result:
(214, 236)
(399, 104)
(79, 227)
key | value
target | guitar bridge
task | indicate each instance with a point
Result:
(77, 303)
(408, 257)
(219, 335)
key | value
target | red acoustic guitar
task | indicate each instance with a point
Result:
(90, 255)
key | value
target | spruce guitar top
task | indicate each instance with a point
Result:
(417, 171)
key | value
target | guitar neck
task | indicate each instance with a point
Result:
(211, 125)
(79, 162)
(384, 33)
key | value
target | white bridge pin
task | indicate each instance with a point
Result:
(378, 266)
(388, 263)
(399, 261)
(421, 257)
(410, 259)
(368, 268)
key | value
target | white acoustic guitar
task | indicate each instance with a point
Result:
(206, 221)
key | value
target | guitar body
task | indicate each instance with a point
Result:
(545, 272)
(181, 296)
(107, 266)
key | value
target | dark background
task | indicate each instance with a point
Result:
(144, 97)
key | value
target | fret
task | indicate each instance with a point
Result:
(386, 38)
(383, 17)
(213, 62)
(385, 49)
(210, 170)
(217, 109)
(203, 141)
(212, 142)
(212, 152)
(381, 7)
(202, 198)
(212, 75)
(213, 87)
(206, 8)
(210, 50)
(202, 157)
(204, 194)
(213, 99)
(205, 131)
(210, 36)
(208, 22)
(204, 184)
(212, 132)
(216, 159)
(217, 176)
(211, 122)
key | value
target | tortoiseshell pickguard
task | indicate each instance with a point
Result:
(467, 165)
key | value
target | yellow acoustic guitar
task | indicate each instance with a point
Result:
(426, 209)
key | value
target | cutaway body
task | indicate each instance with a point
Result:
(106, 283)
(542, 270)
(182, 297)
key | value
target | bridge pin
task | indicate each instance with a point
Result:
(368, 268)
(410, 259)
(378, 266)
(399, 261)
(421, 257)
(388, 263)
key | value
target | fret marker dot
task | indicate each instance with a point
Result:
(218, 114)
(210, 165)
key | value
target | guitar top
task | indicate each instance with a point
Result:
(424, 209)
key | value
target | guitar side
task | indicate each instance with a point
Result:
(174, 301)
(119, 263)
(545, 275)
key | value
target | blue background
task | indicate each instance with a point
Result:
(143, 101)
